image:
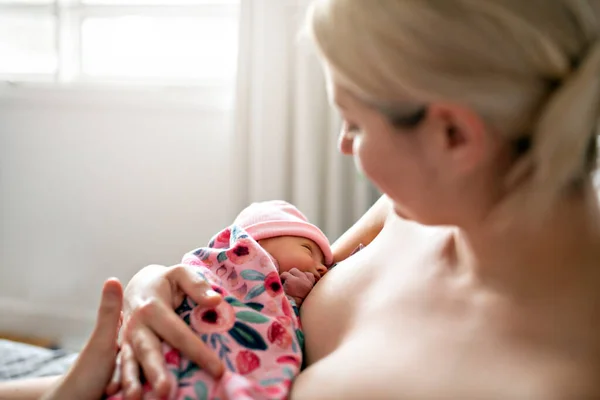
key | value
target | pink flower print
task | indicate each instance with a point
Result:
(147, 387)
(293, 360)
(173, 357)
(242, 290)
(287, 308)
(246, 362)
(284, 320)
(273, 284)
(213, 319)
(192, 260)
(224, 236)
(278, 335)
(242, 252)
(274, 391)
(233, 278)
(222, 270)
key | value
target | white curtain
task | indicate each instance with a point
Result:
(285, 140)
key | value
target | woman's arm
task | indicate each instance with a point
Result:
(27, 389)
(363, 231)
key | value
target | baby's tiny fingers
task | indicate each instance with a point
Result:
(310, 277)
(297, 273)
(285, 276)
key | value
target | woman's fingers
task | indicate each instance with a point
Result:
(115, 382)
(148, 351)
(164, 323)
(130, 373)
(192, 284)
(180, 336)
(146, 348)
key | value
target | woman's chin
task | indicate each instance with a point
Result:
(400, 211)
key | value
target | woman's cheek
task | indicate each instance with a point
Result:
(366, 158)
(358, 153)
(369, 161)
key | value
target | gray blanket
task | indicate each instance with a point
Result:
(19, 360)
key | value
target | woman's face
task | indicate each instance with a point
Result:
(401, 161)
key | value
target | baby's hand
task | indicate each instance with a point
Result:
(297, 284)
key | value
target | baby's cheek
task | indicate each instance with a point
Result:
(284, 267)
(288, 264)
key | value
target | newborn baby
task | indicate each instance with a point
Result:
(264, 266)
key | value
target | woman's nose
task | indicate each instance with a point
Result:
(345, 142)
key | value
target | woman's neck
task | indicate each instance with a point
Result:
(527, 254)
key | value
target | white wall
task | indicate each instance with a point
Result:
(96, 184)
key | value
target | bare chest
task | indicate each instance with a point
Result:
(392, 333)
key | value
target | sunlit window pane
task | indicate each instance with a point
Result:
(27, 44)
(164, 47)
(26, 2)
(158, 2)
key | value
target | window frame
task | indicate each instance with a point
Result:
(70, 15)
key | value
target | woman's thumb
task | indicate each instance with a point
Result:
(93, 369)
(104, 336)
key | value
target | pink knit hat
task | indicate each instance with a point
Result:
(275, 218)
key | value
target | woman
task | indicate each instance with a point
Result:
(477, 119)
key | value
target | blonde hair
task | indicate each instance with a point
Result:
(530, 68)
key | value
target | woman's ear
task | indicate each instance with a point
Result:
(461, 136)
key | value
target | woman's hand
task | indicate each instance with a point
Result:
(94, 367)
(151, 297)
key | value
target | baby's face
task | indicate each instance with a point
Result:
(296, 252)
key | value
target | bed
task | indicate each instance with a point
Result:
(19, 360)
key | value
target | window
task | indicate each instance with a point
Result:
(137, 41)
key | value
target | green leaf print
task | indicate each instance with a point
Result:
(252, 317)
(300, 337)
(270, 381)
(252, 275)
(255, 292)
(247, 337)
(189, 370)
(222, 257)
(287, 371)
(256, 306)
(234, 302)
(201, 390)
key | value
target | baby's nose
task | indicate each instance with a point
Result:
(321, 269)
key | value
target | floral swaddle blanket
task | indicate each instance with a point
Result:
(255, 330)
